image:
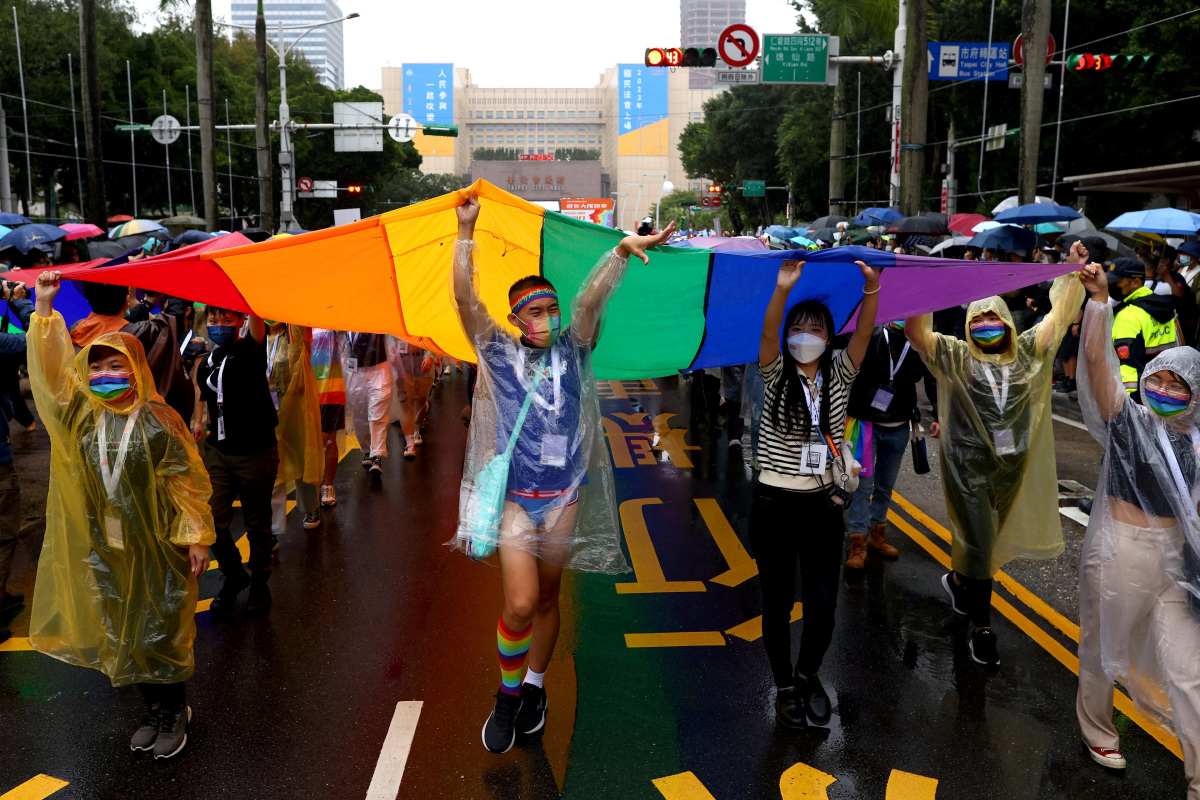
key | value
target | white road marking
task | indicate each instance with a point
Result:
(389, 770)
(1074, 514)
(1068, 421)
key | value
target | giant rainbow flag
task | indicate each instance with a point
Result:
(687, 309)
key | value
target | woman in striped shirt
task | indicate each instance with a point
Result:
(796, 517)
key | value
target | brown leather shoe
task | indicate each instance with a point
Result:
(858, 551)
(877, 541)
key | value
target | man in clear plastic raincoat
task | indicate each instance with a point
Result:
(293, 387)
(535, 413)
(1139, 575)
(127, 521)
(413, 371)
(997, 444)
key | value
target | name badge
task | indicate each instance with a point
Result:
(351, 365)
(275, 399)
(813, 459)
(114, 534)
(883, 398)
(1005, 444)
(554, 451)
(220, 427)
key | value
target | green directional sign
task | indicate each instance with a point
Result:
(754, 188)
(135, 128)
(798, 58)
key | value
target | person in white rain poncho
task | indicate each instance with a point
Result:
(537, 482)
(1139, 574)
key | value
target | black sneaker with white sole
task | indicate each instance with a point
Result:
(956, 591)
(531, 720)
(172, 732)
(146, 734)
(376, 469)
(500, 730)
(983, 648)
(312, 519)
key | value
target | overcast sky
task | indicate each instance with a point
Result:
(512, 44)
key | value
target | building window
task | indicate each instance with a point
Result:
(541, 126)
(520, 140)
(570, 140)
(591, 139)
(541, 140)
(510, 140)
(478, 115)
(570, 115)
(508, 115)
(472, 139)
(489, 140)
(489, 115)
(520, 115)
(541, 115)
(600, 139)
(562, 140)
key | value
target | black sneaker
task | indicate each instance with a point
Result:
(816, 701)
(11, 601)
(531, 719)
(1084, 504)
(957, 602)
(789, 709)
(366, 460)
(500, 730)
(143, 738)
(983, 648)
(235, 581)
(258, 601)
(312, 519)
(172, 732)
(376, 470)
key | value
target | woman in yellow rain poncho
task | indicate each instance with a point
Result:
(998, 468)
(127, 521)
(301, 450)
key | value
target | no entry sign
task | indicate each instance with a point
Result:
(738, 45)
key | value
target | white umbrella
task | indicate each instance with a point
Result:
(1014, 201)
(957, 241)
(991, 223)
(1075, 225)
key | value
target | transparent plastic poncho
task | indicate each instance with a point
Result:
(1139, 580)
(114, 587)
(411, 380)
(577, 527)
(368, 388)
(293, 386)
(997, 443)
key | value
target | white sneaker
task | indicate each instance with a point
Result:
(410, 451)
(1106, 756)
(417, 439)
(328, 495)
(446, 371)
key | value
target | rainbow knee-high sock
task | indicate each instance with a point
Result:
(513, 647)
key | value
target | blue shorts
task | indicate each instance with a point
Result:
(538, 504)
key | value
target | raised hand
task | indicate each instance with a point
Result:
(1094, 279)
(468, 214)
(789, 273)
(1078, 255)
(638, 245)
(870, 273)
(47, 288)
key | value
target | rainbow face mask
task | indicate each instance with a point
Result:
(897, 324)
(542, 332)
(987, 334)
(111, 387)
(1167, 402)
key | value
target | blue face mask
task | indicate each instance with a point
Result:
(222, 335)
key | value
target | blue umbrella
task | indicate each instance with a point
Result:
(189, 237)
(27, 236)
(1033, 213)
(1167, 221)
(1006, 238)
(780, 232)
(877, 216)
(4, 231)
(13, 219)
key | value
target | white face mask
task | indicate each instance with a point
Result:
(805, 347)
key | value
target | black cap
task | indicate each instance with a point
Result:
(1097, 248)
(1127, 268)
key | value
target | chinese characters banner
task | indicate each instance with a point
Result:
(642, 110)
(429, 99)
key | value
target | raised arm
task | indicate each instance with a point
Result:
(1065, 296)
(1101, 392)
(857, 349)
(472, 313)
(51, 356)
(919, 332)
(768, 345)
(604, 279)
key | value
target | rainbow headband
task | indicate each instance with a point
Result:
(529, 295)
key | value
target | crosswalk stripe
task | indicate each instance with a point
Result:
(389, 770)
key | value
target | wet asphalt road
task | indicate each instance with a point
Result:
(666, 684)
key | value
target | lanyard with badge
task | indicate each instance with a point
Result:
(110, 474)
(885, 393)
(554, 446)
(271, 365)
(1186, 495)
(220, 390)
(813, 457)
(352, 361)
(186, 340)
(1003, 439)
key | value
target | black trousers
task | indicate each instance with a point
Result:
(787, 528)
(251, 479)
(171, 696)
(977, 593)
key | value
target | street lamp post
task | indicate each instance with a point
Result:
(621, 223)
(287, 221)
(666, 186)
(637, 206)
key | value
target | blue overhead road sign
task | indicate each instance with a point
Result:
(968, 61)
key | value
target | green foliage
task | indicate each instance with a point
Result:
(494, 154)
(576, 154)
(164, 59)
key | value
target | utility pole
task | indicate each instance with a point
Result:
(837, 152)
(5, 188)
(208, 122)
(89, 79)
(262, 134)
(951, 181)
(915, 99)
(898, 44)
(1035, 34)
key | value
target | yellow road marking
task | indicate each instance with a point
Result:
(34, 789)
(649, 577)
(1039, 606)
(802, 782)
(683, 639)
(1048, 643)
(751, 629)
(741, 566)
(684, 786)
(15, 645)
(907, 786)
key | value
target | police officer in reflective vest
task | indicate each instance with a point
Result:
(1144, 322)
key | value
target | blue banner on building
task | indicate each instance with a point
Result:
(641, 103)
(968, 61)
(429, 93)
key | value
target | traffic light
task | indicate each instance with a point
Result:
(1081, 62)
(675, 57)
(439, 130)
(354, 188)
(715, 188)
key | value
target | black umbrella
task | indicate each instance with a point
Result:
(255, 234)
(930, 226)
(189, 237)
(829, 221)
(824, 234)
(108, 249)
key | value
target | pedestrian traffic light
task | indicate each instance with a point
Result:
(1081, 62)
(354, 188)
(675, 57)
